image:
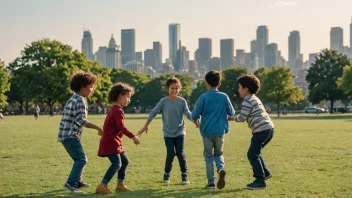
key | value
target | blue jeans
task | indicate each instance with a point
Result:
(119, 162)
(175, 146)
(259, 140)
(74, 147)
(213, 151)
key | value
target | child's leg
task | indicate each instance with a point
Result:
(209, 158)
(180, 153)
(170, 153)
(266, 171)
(114, 167)
(254, 152)
(218, 153)
(74, 148)
(123, 170)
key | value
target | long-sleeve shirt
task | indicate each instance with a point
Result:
(74, 118)
(114, 129)
(172, 116)
(214, 107)
(254, 113)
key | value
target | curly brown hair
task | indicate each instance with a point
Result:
(118, 89)
(250, 81)
(81, 79)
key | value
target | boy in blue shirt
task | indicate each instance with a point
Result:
(214, 107)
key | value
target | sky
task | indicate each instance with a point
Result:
(24, 21)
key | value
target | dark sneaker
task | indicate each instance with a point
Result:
(167, 178)
(210, 186)
(256, 185)
(185, 178)
(221, 181)
(268, 177)
(81, 184)
(72, 188)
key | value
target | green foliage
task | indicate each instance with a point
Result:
(345, 82)
(102, 88)
(261, 74)
(154, 90)
(323, 75)
(4, 83)
(229, 84)
(278, 87)
(135, 79)
(198, 91)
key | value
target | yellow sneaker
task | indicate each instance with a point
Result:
(103, 189)
(122, 187)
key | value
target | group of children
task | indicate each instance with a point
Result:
(211, 114)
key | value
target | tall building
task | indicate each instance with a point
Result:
(149, 58)
(174, 42)
(271, 55)
(158, 50)
(254, 47)
(139, 56)
(87, 45)
(183, 59)
(227, 48)
(113, 56)
(100, 55)
(262, 41)
(336, 39)
(240, 58)
(294, 51)
(128, 45)
(205, 50)
(215, 64)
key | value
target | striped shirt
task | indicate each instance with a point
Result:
(254, 113)
(74, 118)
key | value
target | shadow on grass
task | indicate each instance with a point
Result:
(316, 117)
(188, 192)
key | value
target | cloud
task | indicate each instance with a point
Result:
(282, 4)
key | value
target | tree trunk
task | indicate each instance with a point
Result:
(331, 106)
(278, 110)
(50, 104)
(20, 106)
(27, 108)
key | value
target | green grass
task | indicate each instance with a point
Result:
(309, 156)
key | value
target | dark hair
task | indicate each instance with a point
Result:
(171, 81)
(81, 79)
(249, 81)
(119, 89)
(213, 78)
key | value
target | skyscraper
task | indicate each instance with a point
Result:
(336, 39)
(128, 45)
(294, 51)
(174, 42)
(158, 52)
(205, 50)
(271, 55)
(215, 64)
(227, 53)
(87, 45)
(113, 58)
(262, 41)
(100, 55)
(149, 58)
(139, 56)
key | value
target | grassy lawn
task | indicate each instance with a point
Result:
(309, 156)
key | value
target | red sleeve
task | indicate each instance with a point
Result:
(120, 123)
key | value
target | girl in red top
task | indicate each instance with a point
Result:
(111, 141)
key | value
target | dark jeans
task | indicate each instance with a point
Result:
(175, 146)
(259, 141)
(74, 148)
(119, 162)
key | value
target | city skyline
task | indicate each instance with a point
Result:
(27, 23)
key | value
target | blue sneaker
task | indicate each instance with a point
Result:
(185, 178)
(167, 178)
(71, 188)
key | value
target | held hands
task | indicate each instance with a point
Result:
(230, 118)
(100, 131)
(197, 123)
(145, 128)
(136, 140)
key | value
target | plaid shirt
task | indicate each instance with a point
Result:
(74, 118)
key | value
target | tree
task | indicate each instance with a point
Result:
(345, 82)
(277, 87)
(229, 84)
(323, 75)
(44, 69)
(4, 83)
(154, 90)
(261, 74)
(198, 91)
(135, 79)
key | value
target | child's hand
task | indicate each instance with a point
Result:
(100, 131)
(230, 118)
(145, 128)
(197, 123)
(136, 140)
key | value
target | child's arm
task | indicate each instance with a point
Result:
(81, 117)
(188, 114)
(198, 109)
(245, 111)
(157, 109)
(93, 126)
(120, 126)
(229, 108)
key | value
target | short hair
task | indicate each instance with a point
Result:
(213, 78)
(81, 79)
(119, 89)
(249, 81)
(171, 81)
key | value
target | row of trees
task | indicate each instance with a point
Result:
(41, 73)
